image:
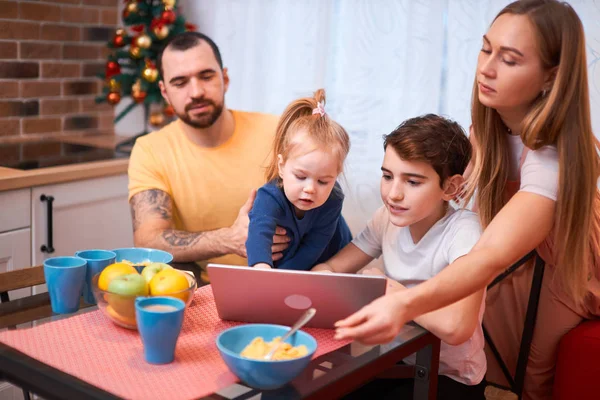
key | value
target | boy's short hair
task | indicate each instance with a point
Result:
(438, 141)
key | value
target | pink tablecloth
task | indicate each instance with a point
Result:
(90, 347)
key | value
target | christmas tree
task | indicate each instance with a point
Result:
(131, 67)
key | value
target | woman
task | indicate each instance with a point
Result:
(535, 171)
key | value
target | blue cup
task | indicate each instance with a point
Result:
(159, 321)
(96, 261)
(64, 277)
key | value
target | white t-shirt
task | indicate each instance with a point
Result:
(539, 172)
(410, 264)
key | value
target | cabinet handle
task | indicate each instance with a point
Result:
(49, 248)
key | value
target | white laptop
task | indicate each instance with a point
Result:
(277, 296)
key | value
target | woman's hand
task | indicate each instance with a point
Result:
(376, 323)
(262, 266)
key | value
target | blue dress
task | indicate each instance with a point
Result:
(314, 238)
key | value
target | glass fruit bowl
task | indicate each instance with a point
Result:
(120, 308)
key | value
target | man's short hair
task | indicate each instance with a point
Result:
(184, 41)
(438, 141)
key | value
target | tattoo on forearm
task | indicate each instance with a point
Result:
(181, 238)
(154, 201)
(134, 217)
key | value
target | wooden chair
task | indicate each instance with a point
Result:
(19, 279)
(15, 312)
(27, 307)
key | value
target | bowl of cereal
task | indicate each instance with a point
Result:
(243, 349)
(140, 257)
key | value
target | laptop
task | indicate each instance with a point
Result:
(277, 296)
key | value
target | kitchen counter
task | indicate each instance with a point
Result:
(16, 179)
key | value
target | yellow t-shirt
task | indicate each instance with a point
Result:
(208, 185)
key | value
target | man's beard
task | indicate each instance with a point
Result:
(202, 121)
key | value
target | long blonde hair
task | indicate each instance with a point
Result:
(299, 127)
(562, 119)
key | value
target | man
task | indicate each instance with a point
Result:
(189, 181)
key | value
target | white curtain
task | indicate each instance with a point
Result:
(380, 61)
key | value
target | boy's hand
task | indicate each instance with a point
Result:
(262, 266)
(322, 268)
(372, 271)
(391, 286)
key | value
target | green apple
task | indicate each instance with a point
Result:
(129, 284)
(123, 290)
(152, 269)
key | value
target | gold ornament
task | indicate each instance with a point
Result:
(150, 74)
(135, 52)
(113, 98)
(161, 32)
(137, 93)
(132, 6)
(143, 41)
(114, 85)
(120, 32)
(157, 119)
(169, 3)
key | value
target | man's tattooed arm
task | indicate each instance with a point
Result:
(180, 238)
(152, 216)
(148, 204)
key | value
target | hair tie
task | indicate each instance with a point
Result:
(320, 109)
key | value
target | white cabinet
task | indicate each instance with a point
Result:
(15, 235)
(89, 214)
(15, 253)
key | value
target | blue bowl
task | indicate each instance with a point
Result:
(263, 374)
(139, 255)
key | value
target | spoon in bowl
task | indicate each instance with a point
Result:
(307, 316)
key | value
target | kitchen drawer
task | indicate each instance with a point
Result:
(15, 209)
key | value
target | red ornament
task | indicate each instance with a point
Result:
(112, 69)
(118, 41)
(169, 111)
(113, 98)
(168, 17)
(190, 27)
(138, 95)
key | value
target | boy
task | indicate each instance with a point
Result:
(419, 234)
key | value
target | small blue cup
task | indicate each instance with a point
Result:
(159, 321)
(96, 261)
(64, 277)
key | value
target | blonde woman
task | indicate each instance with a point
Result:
(535, 172)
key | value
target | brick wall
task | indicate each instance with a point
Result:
(50, 52)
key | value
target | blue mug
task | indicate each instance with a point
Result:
(64, 278)
(96, 261)
(159, 321)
